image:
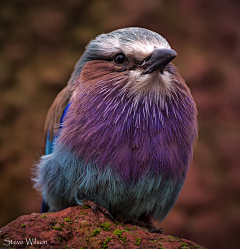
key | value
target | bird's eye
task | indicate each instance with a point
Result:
(119, 58)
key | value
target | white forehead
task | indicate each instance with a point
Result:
(136, 42)
(140, 50)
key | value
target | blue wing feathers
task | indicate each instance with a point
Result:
(49, 143)
(49, 149)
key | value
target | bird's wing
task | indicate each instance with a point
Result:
(55, 117)
(53, 124)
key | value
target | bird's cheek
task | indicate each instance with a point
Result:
(97, 76)
(93, 70)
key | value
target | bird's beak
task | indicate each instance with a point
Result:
(158, 60)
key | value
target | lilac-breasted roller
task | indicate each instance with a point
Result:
(120, 135)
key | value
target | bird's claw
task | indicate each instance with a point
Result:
(157, 230)
(107, 213)
(95, 206)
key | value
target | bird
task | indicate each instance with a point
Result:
(120, 136)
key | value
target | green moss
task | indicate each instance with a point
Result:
(44, 216)
(152, 241)
(96, 232)
(116, 223)
(138, 241)
(118, 232)
(23, 226)
(67, 219)
(162, 239)
(184, 245)
(80, 247)
(124, 239)
(134, 227)
(58, 228)
(60, 239)
(160, 243)
(85, 207)
(171, 238)
(127, 229)
(106, 226)
(105, 243)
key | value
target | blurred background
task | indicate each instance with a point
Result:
(40, 41)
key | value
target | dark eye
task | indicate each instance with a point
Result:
(119, 58)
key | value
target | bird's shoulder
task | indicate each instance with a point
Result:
(55, 113)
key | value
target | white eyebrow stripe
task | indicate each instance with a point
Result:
(140, 50)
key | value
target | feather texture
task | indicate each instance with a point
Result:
(66, 181)
(116, 136)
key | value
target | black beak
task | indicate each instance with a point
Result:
(158, 60)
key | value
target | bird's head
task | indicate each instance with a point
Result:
(136, 58)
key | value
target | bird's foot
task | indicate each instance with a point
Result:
(95, 207)
(158, 230)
